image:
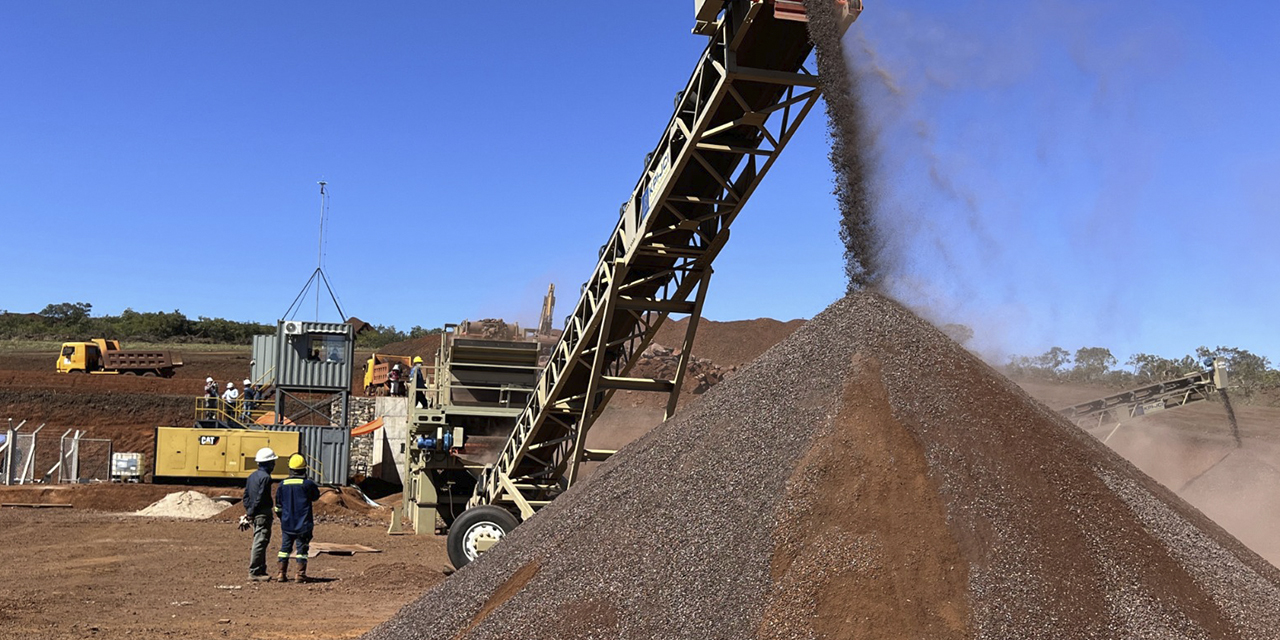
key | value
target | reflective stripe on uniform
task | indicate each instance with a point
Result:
(292, 481)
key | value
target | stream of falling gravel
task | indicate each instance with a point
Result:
(850, 149)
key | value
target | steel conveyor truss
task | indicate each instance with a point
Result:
(1115, 409)
(745, 100)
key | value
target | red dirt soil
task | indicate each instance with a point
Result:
(117, 498)
(425, 347)
(71, 574)
(728, 343)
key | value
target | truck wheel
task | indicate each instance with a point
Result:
(475, 530)
(76, 371)
(148, 374)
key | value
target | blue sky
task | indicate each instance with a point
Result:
(1068, 173)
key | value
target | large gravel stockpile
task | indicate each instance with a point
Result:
(865, 478)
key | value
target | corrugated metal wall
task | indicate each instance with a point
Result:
(319, 358)
(264, 359)
(327, 449)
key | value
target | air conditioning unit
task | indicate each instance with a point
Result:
(292, 328)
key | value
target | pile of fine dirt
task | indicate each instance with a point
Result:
(424, 347)
(728, 344)
(866, 478)
(191, 505)
(336, 504)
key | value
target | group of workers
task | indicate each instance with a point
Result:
(292, 505)
(246, 400)
(395, 378)
(231, 394)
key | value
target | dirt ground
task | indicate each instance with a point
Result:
(67, 570)
(76, 573)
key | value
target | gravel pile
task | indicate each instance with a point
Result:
(865, 478)
(185, 504)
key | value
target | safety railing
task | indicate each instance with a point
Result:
(240, 412)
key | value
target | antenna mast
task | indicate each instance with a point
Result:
(324, 196)
(318, 276)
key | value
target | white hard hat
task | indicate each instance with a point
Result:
(231, 385)
(246, 382)
(208, 379)
(265, 454)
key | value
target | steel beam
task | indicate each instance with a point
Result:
(730, 123)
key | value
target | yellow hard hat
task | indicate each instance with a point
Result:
(296, 461)
(417, 359)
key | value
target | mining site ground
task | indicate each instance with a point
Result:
(75, 573)
(93, 571)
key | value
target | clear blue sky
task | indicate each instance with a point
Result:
(1072, 174)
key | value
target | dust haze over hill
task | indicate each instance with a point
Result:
(1037, 228)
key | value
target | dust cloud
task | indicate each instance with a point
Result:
(983, 187)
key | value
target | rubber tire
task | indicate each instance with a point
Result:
(469, 518)
(148, 374)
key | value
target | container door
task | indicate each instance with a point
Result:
(212, 454)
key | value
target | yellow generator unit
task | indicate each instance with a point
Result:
(210, 454)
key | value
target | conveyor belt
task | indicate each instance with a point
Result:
(745, 99)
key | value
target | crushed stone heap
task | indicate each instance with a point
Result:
(865, 478)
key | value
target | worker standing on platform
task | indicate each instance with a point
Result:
(248, 401)
(395, 386)
(258, 511)
(210, 397)
(415, 374)
(294, 497)
(231, 394)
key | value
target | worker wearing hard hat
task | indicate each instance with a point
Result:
(258, 510)
(249, 400)
(415, 374)
(294, 498)
(210, 401)
(230, 395)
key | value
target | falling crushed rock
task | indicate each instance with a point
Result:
(185, 504)
(865, 478)
(851, 147)
(1231, 416)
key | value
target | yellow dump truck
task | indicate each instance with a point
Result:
(103, 356)
(184, 454)
(376, 368)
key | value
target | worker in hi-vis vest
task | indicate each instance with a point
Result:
(293, 502)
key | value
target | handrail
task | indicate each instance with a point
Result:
(240, 412)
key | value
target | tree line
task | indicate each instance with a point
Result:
(1249, 374)
(75, 321)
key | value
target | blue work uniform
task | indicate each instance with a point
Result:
(293, 500)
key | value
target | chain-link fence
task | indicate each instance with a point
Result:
(41, 457)
(84, 460)
(18, 458)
